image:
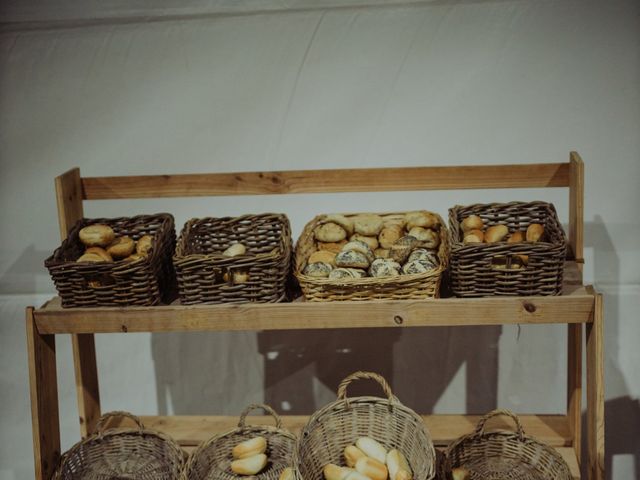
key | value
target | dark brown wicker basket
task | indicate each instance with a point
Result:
(212, 460)
(401, 287)
(207, 276)
(476, 269)
(117, 284)
(342, 422)
(505, 455)
(122, 453)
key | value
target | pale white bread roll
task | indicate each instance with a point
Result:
(234, 250)
(97, 235)
(334, 472)
(250, 447)
(287, 474)
(421, 219)
(397, 462)
(249, 465)
(372, 468)
(352, 454)
(372, 448)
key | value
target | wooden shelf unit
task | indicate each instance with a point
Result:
(579, 305)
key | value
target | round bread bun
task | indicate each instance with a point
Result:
(389, 235)
(317, 270)
(516, 237)
(144, 244)
(474, 236)
(233, 250)
(330, 232)
(352, 259)
(359, 246)
(323, 256)
(371, 241)
(100, 252)
(345, 222)
(421, 219)
(472, 222)
(121, 247)
(91, 257)
(368, 224)
(97, 235)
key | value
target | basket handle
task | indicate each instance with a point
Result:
(359, 375)
(480, 428)
(100, 427)
(267, 409)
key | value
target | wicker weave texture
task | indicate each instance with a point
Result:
(206, 276)
(505, 455)
(402, 287)
(122, 454)
(117, 284)
(212, 460)
(342, 422)
(474, 267)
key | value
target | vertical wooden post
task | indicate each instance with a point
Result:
(69, 197)
(595, 391)
(44, 399)
(574, 340)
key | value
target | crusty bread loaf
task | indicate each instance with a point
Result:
(368, 224)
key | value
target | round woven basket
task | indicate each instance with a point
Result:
(505, 455)
(122, 454)
(342, 422)
(212, 460)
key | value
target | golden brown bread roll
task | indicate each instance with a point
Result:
(381, 253)
(238, 276)
(341, 220)
(497, 233)
(372, 448)
(389, 235)
(334, 472)
(250, 447)
(144, 244)
(134, 257)
(421, 219)
(397, 462)
(323, 256)
(473, 236)
(91, 257)
(427, 237)
(368, 224)
(249, 465)
(403, 475)
(330, 232)
(121, 247)
(534, 232)
(516, 237)
(232, 251)
(460, 474)
(394, 220)
(287, 474)
(97, 235)
(371, 241)
(100, 252)
(372, 468)
(332, 246)
(352, 454)
(472, 222)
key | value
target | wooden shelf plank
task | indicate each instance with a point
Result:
(328, 181)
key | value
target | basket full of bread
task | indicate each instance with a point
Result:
(116, 262)
(234, 259)
(365, 438)
(259, 452)
(516, 248)
(369, 256)
(503, 454)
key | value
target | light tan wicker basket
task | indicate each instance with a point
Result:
(402, 287)
(505, 455)
(122, 453)
(342, 422)
(212, 460)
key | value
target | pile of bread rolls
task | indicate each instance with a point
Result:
(474, 232)
(249, 456)
(369, 460)
(102, 245)
(374, 245)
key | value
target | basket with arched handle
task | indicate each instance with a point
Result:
(505, 454)
(212, 459)
(341, 423)
(119, 453)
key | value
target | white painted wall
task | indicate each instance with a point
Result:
(421, 84)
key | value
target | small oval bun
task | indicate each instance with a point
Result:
(323, 256)
(91, 257)
(472, 222)
(330, 232)
(473, 236)
(100, 252)
(121, 247)
(97, 235)
(421, 219)
(497, 233)
(368, 224)
(389, 235)
(232, 251)
(250, 447)
(332, 246)
(249, 465)
(341, 220)
(535, 232)
(516, 237)
(144, 244)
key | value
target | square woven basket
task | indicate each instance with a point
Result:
(205, 275)
(117, 284)
(478, 269)
(401, 287)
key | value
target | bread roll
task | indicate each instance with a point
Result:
(250, 447)
(317, 270)
(427, 238)
(340, 273)
(324, 256)
(497, 233)
(144, 244)
(354, 475)
(237, 277)
(424, 255)
(335, 247)
(389, 235)
(334, 472)
(372, 468)
(372, 448)
(534, 232)
(97, 235)
(353, 259)
(421, 219)
(516, 237)
(100, 252)
(371, 241)
(417, 266)
(134, 257)
(358, 246)
(341, 220)
(472, 222)
(91, 257)
(352, 454)
(384, 267)
(473, 236)
(403, 475)
(381, 253)
(249, 465)
(330, 232)
(287, 474)
(368, 224)
(460, 474)
(394, 219)
(396, 461)
(400, 250)
(121, 247)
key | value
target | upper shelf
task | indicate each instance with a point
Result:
(575, 306)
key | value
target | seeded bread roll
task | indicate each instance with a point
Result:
(121, 247)
(324, 256)
(341, 273)
(371, 241)
(382, 267)
(472, 222)
(358, 246)
(372, 448)
(427, 257)
(249, 465)
(97, 235)
(317, 270)
(335, 247)
(250, 447)
(353, 259)
(400, 250)
(100, 252)
(389, 235)
(473, 236)
(345, 222)
(144, 244)
(352, 454)
(516, 237)
(534, 232)
(330, 232)
(414, 267)
(368, 224)
(427, 237)
(372, 468)
(421, 219)
(497, 233)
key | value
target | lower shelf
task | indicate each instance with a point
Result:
(189, 431)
